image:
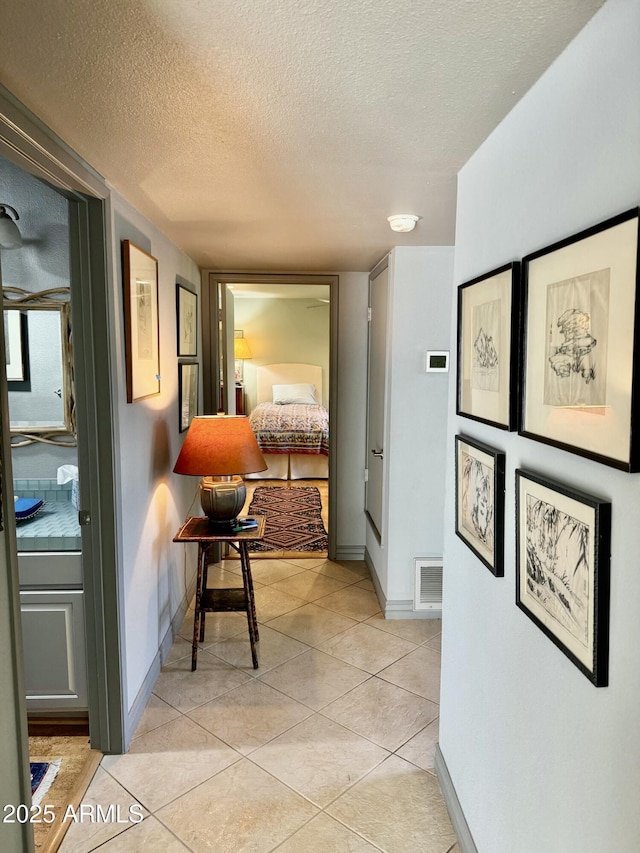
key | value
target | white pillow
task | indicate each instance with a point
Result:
(303, 392)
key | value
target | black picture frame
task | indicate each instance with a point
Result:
(187, 393)
(488, 360)
(580, 343)
(479, 495)
(187, 321)
(563, 546)
(17, 349)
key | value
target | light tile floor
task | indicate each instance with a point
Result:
(328, 746)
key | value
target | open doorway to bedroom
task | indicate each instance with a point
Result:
(270, 355)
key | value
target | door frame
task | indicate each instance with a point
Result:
(380, 535)
(27, 143)
(211, 279)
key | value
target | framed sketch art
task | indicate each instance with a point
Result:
(580, 330)
(562, 569)
(480, 501)
(488, 347)
(187, 392)
(142, 336)
(187, 318)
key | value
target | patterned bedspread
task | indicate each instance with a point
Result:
(292, 428)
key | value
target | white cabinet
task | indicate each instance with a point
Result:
(55, 669)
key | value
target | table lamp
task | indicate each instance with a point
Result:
(241, 352)
(218, 448)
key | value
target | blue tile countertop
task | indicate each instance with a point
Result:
(55, 527)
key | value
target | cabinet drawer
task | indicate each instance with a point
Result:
(50, 569)
(54, 650)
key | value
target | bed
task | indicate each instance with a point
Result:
(293, 436)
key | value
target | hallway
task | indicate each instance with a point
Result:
(327, 746)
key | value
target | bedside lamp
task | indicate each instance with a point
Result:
(241, 352)
(218, 448)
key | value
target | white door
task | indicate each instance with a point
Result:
(376, 389)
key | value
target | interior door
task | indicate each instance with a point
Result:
(225, 352)
(376, 391)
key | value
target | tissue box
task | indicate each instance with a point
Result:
(68, 473)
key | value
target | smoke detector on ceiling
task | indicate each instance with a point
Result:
(402, 221)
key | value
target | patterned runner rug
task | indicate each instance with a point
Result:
(294, 519)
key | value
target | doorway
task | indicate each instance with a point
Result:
(287, 323)
(25, 145)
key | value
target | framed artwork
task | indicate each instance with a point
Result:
(563, 540)
(16, 343)
(187, 318)
(187, 392)
(480, 501)
(488, 347)
(141, 326)
(580, 329)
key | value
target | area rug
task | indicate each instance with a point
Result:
(294, 519)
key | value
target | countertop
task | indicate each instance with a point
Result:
(54, 528)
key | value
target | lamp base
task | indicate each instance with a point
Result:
(222, 498)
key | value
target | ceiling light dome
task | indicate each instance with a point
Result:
(402, 221)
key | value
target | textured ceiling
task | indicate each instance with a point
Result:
(280, 134)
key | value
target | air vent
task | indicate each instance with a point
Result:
(428, 591)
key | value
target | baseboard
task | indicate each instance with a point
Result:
(397, 609)
(140, 703)
(400, 609)
(376, 583)
(350, 552)
(465, 839)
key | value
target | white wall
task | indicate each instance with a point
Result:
(419, 311)
(152, 500)
(541, 759)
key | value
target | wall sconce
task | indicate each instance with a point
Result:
(241, 351)
(10, 236)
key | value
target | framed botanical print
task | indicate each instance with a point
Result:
(580, 351)
(563, 542)
(141, 325)
(187, 318)
(488, 347)
(480, 501)
(187, 392)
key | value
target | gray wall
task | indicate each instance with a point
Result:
(152, 501)
(351, 419)
(418, 320)
(541, 759)
(42, 263)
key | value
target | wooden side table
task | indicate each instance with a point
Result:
(199, 529)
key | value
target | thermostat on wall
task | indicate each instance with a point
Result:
(437, 361)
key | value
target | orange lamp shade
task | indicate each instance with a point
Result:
(219, 445)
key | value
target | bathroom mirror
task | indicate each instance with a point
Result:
(38, 340)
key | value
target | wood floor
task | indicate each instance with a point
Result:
(79, 764)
